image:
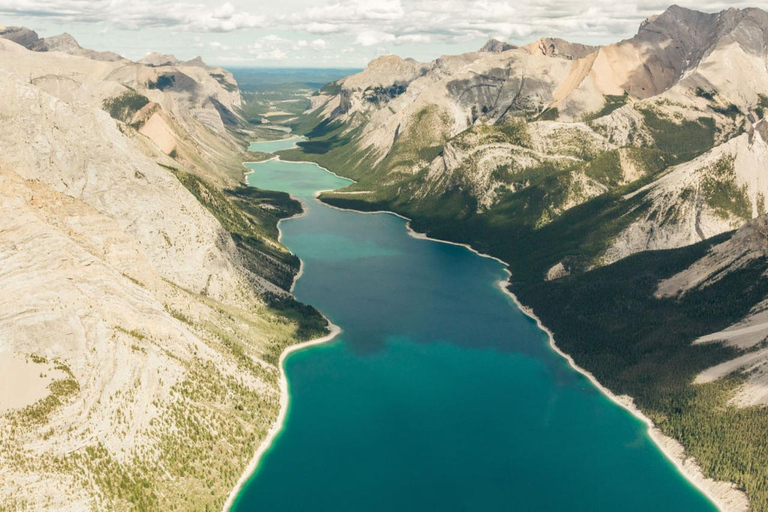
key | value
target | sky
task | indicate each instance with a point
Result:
(331, 33)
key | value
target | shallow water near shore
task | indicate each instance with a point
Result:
(439, 394)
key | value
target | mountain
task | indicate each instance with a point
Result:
(64, 43)
(611, 180)
(748, 248)
(543, 128)
(496, 46)
(145, 298)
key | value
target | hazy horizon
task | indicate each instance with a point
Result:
(341, 34)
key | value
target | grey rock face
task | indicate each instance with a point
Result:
(64, 43)
(21, 35)
(496, 46)
(554, 47)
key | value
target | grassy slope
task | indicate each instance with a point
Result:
(526, 227)
(204, 467)
(211, 426)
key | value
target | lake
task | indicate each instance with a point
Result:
(439, 394)
(271, 146)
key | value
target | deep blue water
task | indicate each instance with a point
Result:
(440, 394)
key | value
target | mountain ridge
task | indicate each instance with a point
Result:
(594, 178)
(141, 276)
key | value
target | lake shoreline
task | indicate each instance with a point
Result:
(277, 426)
(724, 495)
(334, 330)
(290, 138)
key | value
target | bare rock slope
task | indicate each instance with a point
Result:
(125, 299)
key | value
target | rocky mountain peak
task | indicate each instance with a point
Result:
(155, 59)
(24, 36)
(673, 44)
(386, 60)
(556, 47)
(496, 46)
(63, 42)
(158, 60)
(700, 31)
(197, 61)
(693, 28)
(384, 71)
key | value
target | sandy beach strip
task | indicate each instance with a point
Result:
(278, 424)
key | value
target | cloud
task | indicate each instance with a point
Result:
(374, 37)
(268, 54)
(219, 46)
(315, 30)
(273, 47)
(318, 45)
(138, 14)
(321, 28)
(374, 23)
(356, 11)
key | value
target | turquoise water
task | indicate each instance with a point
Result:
(439, 395)
(272, 146)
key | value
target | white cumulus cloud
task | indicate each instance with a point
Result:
(313, 31)
(318, 44)
(138, 14)
(398, 22)
(374, 37)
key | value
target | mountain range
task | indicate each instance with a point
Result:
(625, 185)
(147, 296)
